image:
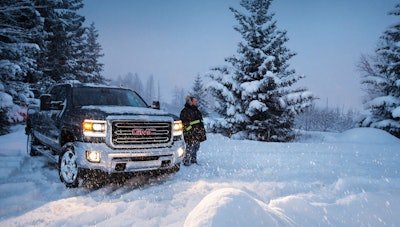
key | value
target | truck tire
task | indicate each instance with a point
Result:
(31, 142)
(68, 167)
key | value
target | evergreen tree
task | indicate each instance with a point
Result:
(381, 80)
(64, 45)
(20, 32)
(200, 93)
(20, 29)
(255, 92)
(91, 67)
(42, 80)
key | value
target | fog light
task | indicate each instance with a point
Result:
(180, 151)
(93, 156)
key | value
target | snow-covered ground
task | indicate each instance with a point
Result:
(328, 179)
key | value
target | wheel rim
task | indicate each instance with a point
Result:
(68, 166)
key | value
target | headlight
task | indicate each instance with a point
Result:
(178, 128)
(93, 156)
(94, 128)
(181, 151)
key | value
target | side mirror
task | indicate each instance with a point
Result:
(156, 105)
(45, 102)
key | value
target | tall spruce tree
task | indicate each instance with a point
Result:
(381, 79)
(42, 80)
(20, 30)
(200, 93)
(91, 68)
(255, 92)
(65, 41)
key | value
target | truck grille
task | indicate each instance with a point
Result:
(125, 133)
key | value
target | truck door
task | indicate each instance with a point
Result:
(52, 117)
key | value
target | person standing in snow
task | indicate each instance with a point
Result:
(193, 129)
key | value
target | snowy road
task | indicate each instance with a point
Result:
(347, 179)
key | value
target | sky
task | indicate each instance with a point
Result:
(176, 40)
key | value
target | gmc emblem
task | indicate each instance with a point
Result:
(141, 132)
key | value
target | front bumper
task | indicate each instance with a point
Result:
(129, 160)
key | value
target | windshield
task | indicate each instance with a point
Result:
(91, 96)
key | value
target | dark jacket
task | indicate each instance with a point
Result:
(193, 127)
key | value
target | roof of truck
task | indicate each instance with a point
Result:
(95, 85)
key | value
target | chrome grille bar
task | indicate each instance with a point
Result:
(133, 132)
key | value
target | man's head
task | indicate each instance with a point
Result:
(191, 100)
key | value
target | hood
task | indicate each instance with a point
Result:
(125, 110)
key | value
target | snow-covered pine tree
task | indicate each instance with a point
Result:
(200, 93)
(42, 80)
(65, 41)
(255, 92)
(381, 80)
(89, 62)
(20, 30)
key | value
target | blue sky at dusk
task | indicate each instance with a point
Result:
(176, 40)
